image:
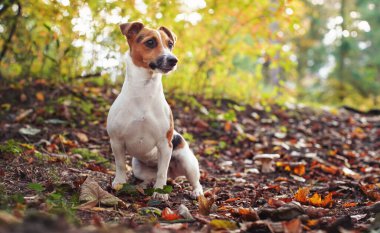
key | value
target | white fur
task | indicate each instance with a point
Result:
(137, 124)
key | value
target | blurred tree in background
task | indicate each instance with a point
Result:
(315, 51)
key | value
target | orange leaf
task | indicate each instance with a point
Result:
(312, 222)
(315, 200)
(299, 170)
(227, 126)
(248, 214)
(372, 191)
(301, 195)
(349, 204)
(329, 169)
(232, 199)
(327, 201)
(169, 215)
(40, 96)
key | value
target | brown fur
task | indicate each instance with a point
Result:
(170, 132)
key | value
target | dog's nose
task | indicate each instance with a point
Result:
(172, 61)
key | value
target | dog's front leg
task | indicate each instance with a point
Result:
(165, 152)
(118, 148)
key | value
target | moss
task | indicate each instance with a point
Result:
(11, 147)
(89, 155)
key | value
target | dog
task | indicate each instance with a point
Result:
(140, 121)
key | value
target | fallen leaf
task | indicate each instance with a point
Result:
(312, 222)
(227, 126)
(275, 203)
(29, 131)
(174, 226)
(91, 192)
(82, 137)
(329, 169)
(246, 214)
(299, 170)
(349, 204)
(184, 212)
(292, 226)
(205, 205)
(301, 195)
(372, 191)
(232, 199)
(40, 96)
(316, 200)
(7, 218)
(22, 115)
(169, 215)
(223, 224)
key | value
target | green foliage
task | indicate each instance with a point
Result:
(245, 50)
(132, 190)
(11, 147)
(36, 187)
(89, 155)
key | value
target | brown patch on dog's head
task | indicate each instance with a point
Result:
(170, 34)
(150, 48)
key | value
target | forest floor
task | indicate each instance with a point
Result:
(53, 139)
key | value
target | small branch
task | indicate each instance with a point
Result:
(86, 76)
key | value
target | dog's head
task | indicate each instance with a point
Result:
(150, 48)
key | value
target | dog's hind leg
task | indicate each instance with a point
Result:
(143, 172)
(119, 150)
(186, 164)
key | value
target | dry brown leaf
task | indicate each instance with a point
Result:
(205, 205)
(372, 191)
(82, 137)
(92, 193)
(247, 214)
(293, 226)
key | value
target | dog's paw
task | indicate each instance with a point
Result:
(197, 192)
(117, 184)
(160, 196)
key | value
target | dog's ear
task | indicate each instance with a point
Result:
(131, 29)
(170, 34)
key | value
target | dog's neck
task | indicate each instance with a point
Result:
(140, 80)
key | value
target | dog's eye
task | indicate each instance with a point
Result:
(170, 45)
(150, 43)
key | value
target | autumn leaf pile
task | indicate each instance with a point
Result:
(56, 161)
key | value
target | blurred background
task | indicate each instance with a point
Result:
(317, 52)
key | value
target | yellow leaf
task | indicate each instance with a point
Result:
(315, 200)
(223, 224)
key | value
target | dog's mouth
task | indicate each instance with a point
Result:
(163, 69)
(166, 70)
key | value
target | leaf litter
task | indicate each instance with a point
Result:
(326, 178)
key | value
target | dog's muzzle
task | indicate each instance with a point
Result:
(165, 63)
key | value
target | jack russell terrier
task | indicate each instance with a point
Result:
(140, 121)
